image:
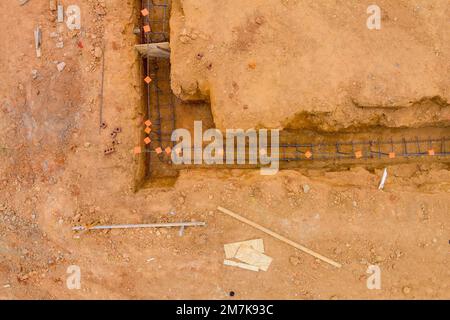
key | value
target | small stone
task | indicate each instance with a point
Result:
(87, 144)
(60, 66)
(306, 188)
(34, 74)
(406, 290)
(98, 52)
(294, 260)
(100, 11)
(259, 20)
(60, 45)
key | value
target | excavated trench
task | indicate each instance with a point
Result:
(319, 144)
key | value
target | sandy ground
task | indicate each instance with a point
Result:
(54, 176)
(294, 63)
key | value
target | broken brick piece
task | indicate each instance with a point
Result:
(158, 150)
(144, 12)
(103, 125)
(117, 129)
(148, 123)
(358, 154)
(113, 135)
(391, 155)
(147, 130)
(431, 152)
(147, 140)
(109, 150)
(168, 150)
(308, 154)
(147, 28)
(148, 79)
(137, 150)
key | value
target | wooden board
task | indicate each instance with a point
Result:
(154, 50)
(232, 248)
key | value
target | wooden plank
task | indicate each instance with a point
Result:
(240, 265)
(154, 50)
(253, 257)
(232, 248)
(280, 237)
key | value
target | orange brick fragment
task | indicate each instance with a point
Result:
(137, 150)
(148, 79)
(147, 28)
(144, 12)
(147, 140)
(147, 130)
(308, 154)
(358, 154)
(391, 155)
(431, 152)
(158, 150)
(168, 150)
(148, 123)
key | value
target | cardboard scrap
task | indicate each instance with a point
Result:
(232, 248)
(253, 257)
(240, 265)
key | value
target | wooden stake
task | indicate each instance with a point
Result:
(279, 237)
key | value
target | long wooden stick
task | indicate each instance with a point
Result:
(279, 237)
